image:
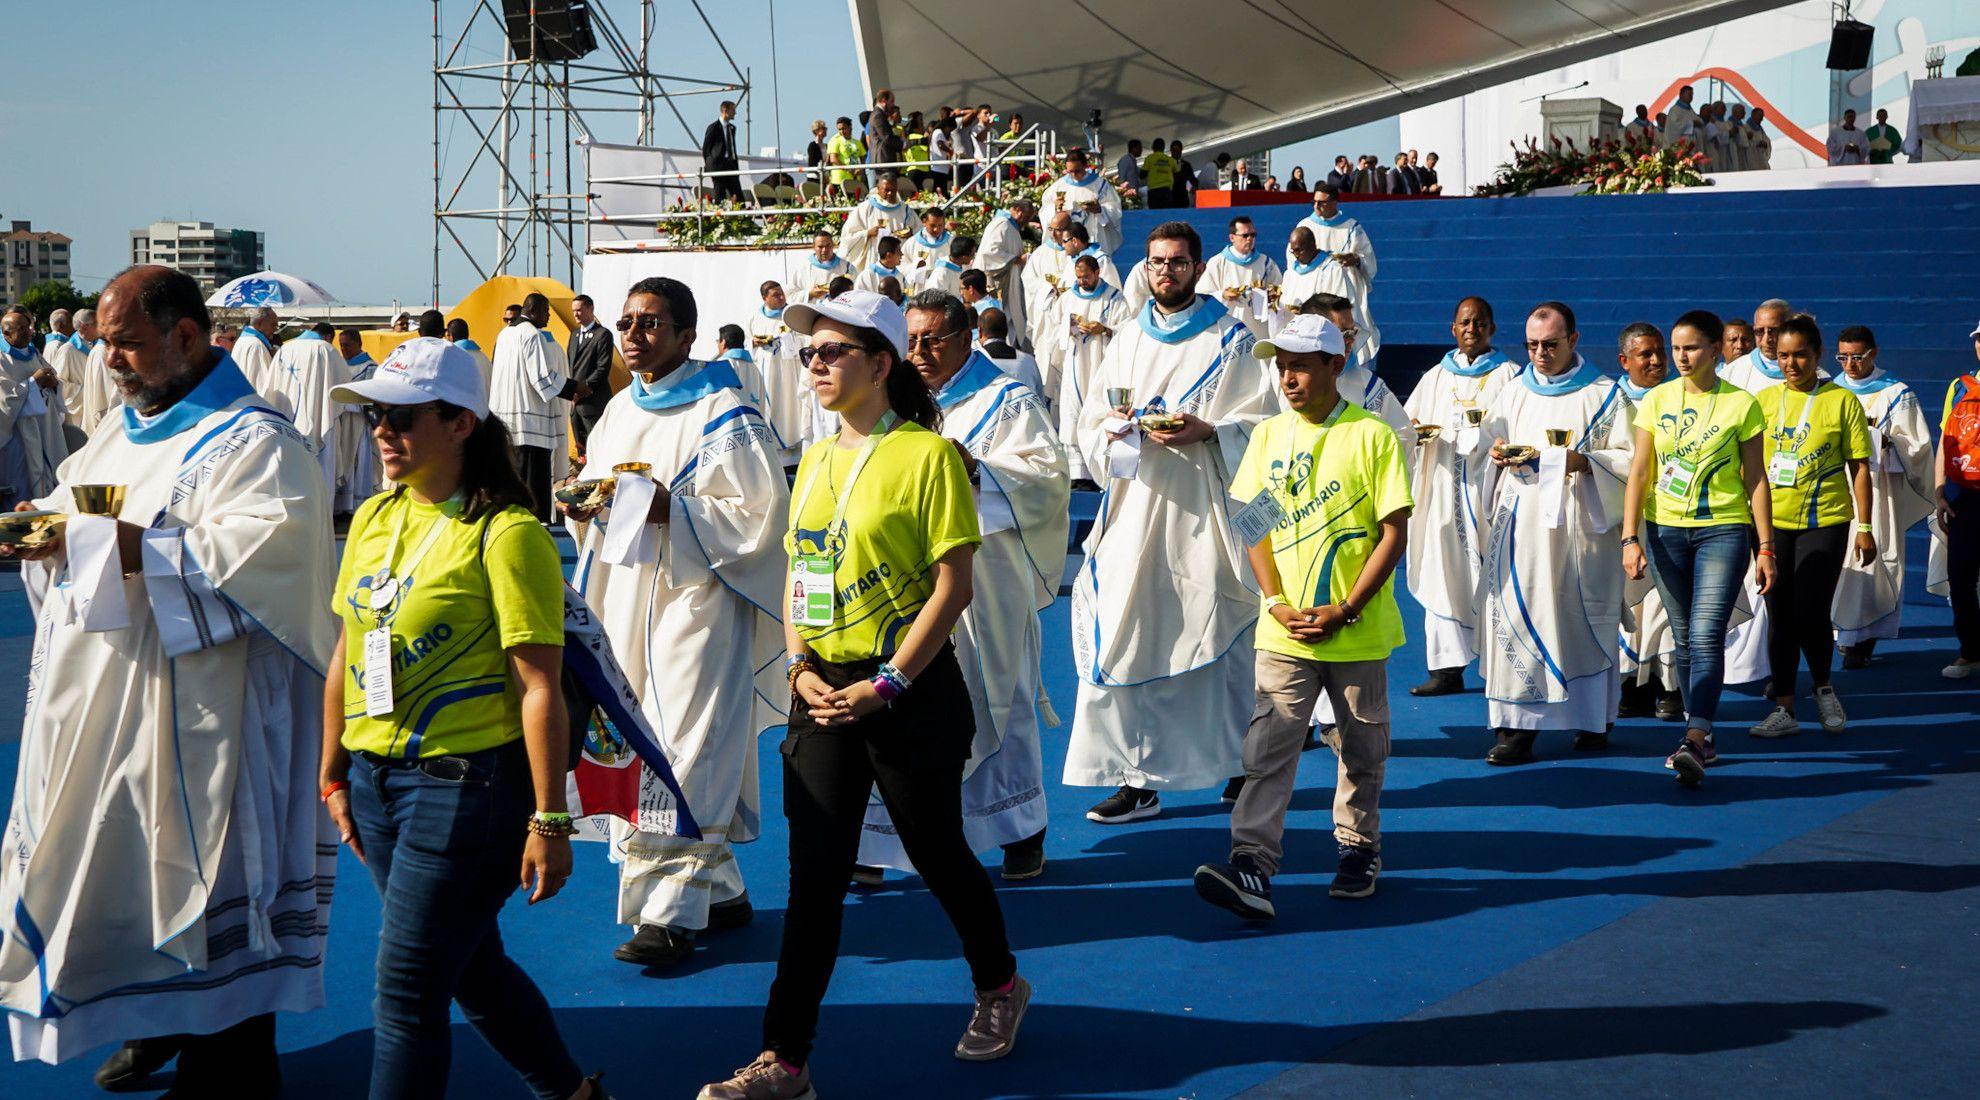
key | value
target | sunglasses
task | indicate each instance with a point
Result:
(400, 418)
(1542, 345)
(929, 340)
(828, 354)
(647, 322)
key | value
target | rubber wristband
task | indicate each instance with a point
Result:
(1865, 529)
(1278, 600)
(546, 815)
(885, 689)
(332, 788)
(1766, 553)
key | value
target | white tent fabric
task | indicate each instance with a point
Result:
(626, 210)
(1240, 74)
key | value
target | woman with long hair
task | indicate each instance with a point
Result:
(883, 527)
(1296, 182)
(446, 728)
(1697, 487)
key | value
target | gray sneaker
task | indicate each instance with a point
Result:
(764, 1079)
(1778, 724)
(993, 1027)
(1831, 709)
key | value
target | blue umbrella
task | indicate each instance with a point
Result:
(270, 288)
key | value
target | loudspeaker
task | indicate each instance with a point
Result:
(1849, 45)
(563, 29)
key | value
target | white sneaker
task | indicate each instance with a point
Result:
(1778, 724)
(1960, 670)
(1831, 709)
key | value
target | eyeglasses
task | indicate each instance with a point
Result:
(1183, 263)
(647, 322)
(828, 354)
(400, 418)
(1845, 358)
(928, 340)
(1543, 345)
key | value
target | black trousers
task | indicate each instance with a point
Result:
(914, 752)
(1808, 563)
(237, 1061)
(725, 187)
(1963, 568)
(533, 463)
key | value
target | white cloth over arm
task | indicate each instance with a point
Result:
(1870, 598)
(1448, 526)
(530, 371)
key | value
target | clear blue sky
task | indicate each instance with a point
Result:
(312, 122)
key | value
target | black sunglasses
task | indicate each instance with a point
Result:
(401, 418)
(828, 354)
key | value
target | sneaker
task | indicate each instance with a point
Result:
(1442, 681)
(1232, 789)
(993, 1027)
(1025, 859)
(1831, 709)
(1358, 870)
(1670, 706)
(764, 1079)
(864, 875)
(131, 1065)
(1590, 741)
(1960, 669)
(1513, 747)
(1125, 805)
(1238, 886)
(1778, 724)
(1688, 762)
(731, 914)
(656, 946)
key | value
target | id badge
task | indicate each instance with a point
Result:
(1781, 469)
(812, 590)
(1258, 519)
(1677, 479)
(378, 672)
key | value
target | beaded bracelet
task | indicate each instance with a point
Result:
(796, 665)
(552, 825)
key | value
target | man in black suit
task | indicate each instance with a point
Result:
(718, 153)
(590, 353)
(1342, 177)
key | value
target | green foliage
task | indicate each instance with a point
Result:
(1634, 166)
(49, 295)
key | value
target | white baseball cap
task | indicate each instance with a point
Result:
(1975, 334)
(855, 307)
(1307, 332)
(424, 368)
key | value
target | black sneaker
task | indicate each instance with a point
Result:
(655, 946)
(131, 1065)
(1358, 870)
(1442, 681)
(867, 875)
(1232, 789)
(1237, 886)
(1590, 741)
(1085, 485)
(1513, 747)
(1670, 706)
(1125, 805)
(733, 913)
(1025, 859)
(1636, 701)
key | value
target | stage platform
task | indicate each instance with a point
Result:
(1578, 926)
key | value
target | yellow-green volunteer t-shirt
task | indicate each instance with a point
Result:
(1706, 430)
(1336, 484)
(1835, 431)
(1158, 170)
(909, 507)
(463, 603)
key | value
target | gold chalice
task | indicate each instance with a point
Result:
(98, 500)
(1558, 437)
(1120, 397)
(1474, 416)
(637, 468)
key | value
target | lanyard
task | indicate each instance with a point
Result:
(1316, 448)
(859, 465)
(386, 584)
(1684, 404)
(1780, 415)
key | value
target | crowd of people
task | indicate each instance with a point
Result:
(1731, 139)
(848, 525)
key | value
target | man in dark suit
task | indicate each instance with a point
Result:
(590, 353)
(718, 153)
(1342, 177)
(1402, 178)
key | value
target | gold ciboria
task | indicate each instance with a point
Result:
(99, 499)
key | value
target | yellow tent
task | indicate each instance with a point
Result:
(482, 310)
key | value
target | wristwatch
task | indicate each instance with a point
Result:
(1349, 615)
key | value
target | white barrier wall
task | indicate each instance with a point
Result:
(724, 282)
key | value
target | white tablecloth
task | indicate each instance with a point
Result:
(1949, 99)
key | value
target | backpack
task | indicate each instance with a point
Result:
(1962, 437)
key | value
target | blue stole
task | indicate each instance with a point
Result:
(1759, 362)
(922, 237)
(1241, 261)
(250, 330)
(467, 345)
(19, 355)
(884, 272)
(1100, 290)
(1876, 383)
(77, 342)
(222, 386)
(692, 385)
(1633, 391)
(1091, 180)
(1583, 375)
(52, 339)
(768, 312)
(1319, 260)
(738, 355)
(878, 205)
(950, 264)
(832, 265)
(1484, 364)
(987, 302)
(975, 374)
(1181, 326)
(310, 334)
(362, 367)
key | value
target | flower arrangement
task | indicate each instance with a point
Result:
(1617, 166)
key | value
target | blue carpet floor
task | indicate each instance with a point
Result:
(1503, 911)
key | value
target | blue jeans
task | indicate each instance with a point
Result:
(443, 839)
(1698, 572)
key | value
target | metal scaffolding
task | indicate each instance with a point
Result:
(525, 113)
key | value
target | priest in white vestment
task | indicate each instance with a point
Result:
(1870, 598)
(1022, 494)
(1244, 279)
(1681, 121)
(1760, 153)
(1134, 286)
(1312, 273)
(1000, 255)
(99, 395)
(809, 281)
(1550, 596)
(1087, 318)
(1047, 275)
(1357, 382)
(929, 243)
(1077, 246)
(774, 346)
(685, 570)
(531, 390)
(886, 264)
(67, 351)
(254, 350)
(1164, 606)
(1340, 238)
(1447, 528)
(944, 273)
(1087, 196)
(1645, 647)
(459, 336)
(308, 368)
(357, 451)
(169, 867)
(883, 213)
(32, 444)
(1847, 144)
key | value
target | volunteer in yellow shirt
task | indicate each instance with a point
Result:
(1158, 171)
(883, 528)
(443, 725)
(1818, 441)
(1697, 485)
(1326, 507)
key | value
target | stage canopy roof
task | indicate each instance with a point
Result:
(1242, 75)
